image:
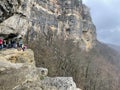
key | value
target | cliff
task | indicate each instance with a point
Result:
(18, 72)
(63, 37)
(68, 19)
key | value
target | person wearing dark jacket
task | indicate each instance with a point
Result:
(20, 42)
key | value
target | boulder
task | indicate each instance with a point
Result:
(42, 71)
(18, 72)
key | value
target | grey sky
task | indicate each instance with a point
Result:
(106, 17)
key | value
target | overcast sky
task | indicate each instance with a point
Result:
(106, 17)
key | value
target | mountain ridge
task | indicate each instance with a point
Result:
(116, 47)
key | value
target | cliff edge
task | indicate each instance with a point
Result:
(18, 72)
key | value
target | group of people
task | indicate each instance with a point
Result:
(12, 43)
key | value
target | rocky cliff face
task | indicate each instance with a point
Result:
(59, 31)
(68, 19)
(18, 72)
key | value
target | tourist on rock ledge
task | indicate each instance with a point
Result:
(12, 41)
(20, 42)
(1, 43)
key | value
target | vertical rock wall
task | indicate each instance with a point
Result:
(69, 19)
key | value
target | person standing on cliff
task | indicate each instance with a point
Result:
(20, 42)
(15, 43)
(1, 43)
(4, 43)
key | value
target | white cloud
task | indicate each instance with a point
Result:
(106, 17)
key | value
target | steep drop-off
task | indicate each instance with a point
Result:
(18, 72)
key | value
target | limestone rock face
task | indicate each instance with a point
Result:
(8, 8)
(69, 19)
(59, 83)
(18, 72)
(15, 68)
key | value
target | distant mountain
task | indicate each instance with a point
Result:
(115, 47)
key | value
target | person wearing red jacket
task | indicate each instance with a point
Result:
(1, 43)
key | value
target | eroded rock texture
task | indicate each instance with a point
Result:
(8, 8)
(18, 72)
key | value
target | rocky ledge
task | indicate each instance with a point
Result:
(18, 72)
